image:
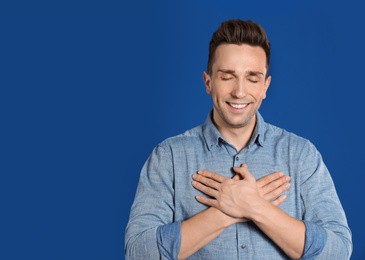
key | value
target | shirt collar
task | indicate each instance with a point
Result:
(212, 136)
(259, 131)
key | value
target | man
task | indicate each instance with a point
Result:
(198, 197)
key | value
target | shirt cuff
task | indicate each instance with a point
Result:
(315, 240)
(169, 240)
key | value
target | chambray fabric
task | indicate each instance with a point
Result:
(165, 196)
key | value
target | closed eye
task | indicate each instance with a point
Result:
(253, 81)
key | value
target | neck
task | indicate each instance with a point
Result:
(238, 136)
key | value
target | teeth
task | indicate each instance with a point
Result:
(238, 105)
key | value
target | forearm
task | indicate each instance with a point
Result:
(287, 232)
(199, 230)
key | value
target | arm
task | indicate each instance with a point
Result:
(152, 210)
(241, 198)
(199, 230)
(327, 233)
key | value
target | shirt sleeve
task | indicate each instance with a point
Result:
(327, 233)
(151, 232)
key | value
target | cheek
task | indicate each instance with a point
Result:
(259, 93)
(217, 93)
(215, 97)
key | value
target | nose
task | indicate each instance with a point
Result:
(239, 90)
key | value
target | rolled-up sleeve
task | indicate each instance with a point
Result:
(167, 240)
(327, 233)
(151, 232)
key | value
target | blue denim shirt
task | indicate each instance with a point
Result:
(165, 196)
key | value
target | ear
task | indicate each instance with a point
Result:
(208, 82)
(267, 84)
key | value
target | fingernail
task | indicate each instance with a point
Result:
(287, 185)
(287, 178)
(195, 175)
(200, 172)
(281, 174)
(193, 182)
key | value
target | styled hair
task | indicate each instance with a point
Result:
(239, 32)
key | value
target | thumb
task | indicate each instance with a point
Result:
(243, 171)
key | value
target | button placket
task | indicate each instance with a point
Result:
(236, 161)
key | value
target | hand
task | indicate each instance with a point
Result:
(234, 196)
(272, 185)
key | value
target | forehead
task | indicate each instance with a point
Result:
(239, 57)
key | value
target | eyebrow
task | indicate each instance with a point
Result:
(226, 71)
(249, 73)
(254, 73)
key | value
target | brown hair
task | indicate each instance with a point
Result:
(239, 32)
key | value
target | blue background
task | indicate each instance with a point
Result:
(89, 88)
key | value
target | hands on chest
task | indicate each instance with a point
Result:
(242, 195)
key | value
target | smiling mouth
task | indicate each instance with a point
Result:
(238, 106)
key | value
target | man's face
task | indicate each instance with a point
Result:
(237, 84)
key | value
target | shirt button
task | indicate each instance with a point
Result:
(237, 158)
(243, 246)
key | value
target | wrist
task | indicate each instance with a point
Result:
(224, 219)
(260, 211)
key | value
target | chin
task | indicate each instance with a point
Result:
(241, 123)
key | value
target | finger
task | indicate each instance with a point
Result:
(279, 200)
(269, 178)
(237, 177)
(243, 171)
(271, 195)
(206, 181)
(212, 175)
(206, 201)
(207, 190)
(274, 185)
